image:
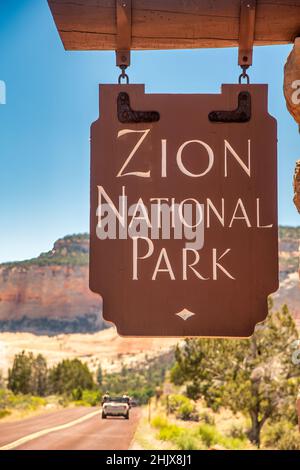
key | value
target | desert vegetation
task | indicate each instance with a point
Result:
(205, 393)
(254, 380)
(32, 384)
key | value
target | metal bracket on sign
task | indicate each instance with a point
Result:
(127, 115)
(241, 114)
(123, 38)
(246, 36)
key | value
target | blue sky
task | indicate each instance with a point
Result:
(52, 98)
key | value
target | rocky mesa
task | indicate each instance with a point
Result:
(50, 294)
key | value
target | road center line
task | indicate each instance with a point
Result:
(38, 434)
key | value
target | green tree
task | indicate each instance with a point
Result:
(139, 381)
(255, 376)
(20, 375)
(28, 374)
(69, 375)
(99, 375)
(39, 376)
(2, 383)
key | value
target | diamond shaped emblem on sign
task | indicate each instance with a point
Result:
(185, 314)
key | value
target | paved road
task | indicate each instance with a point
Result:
(75, 429)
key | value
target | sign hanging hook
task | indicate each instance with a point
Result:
(246, 37)
(123, 38)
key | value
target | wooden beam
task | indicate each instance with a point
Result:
(173, 24)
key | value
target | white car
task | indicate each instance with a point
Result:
(118, 406)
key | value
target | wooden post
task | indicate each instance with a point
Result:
(149, 410)
(123, 10)
(168, 405)
(246, 32)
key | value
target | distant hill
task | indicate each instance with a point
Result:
(72, 250)
(50, 294)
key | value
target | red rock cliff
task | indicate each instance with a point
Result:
(50, 294)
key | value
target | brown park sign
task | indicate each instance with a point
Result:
(184, 210)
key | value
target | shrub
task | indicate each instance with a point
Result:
(76, 394)
(8, 400)
(4, 413)
(187, 441)
(91, 397)
(290, 441)
(170, 432)
(183, 407)
(36, 402)
(210, 437)
(187, 412)
(184, 439)
(207, 418)
(159, 422)
(175, 401)
(64, 401)
(282, 435)
(233, 443)
(208, 434)
(197, 438)
(237, 431)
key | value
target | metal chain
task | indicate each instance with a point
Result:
(123, 75)
(244, 74)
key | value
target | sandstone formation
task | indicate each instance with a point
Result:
(291, 84)
(50, 294)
